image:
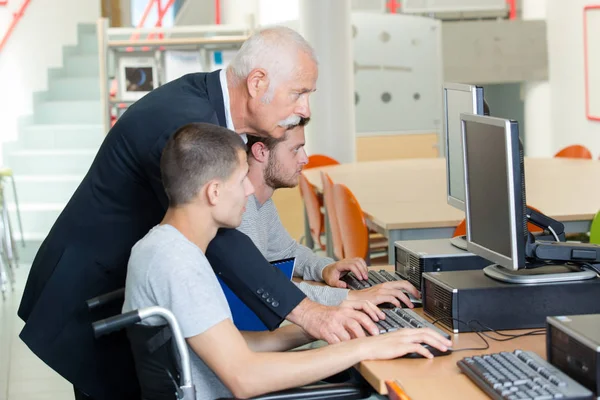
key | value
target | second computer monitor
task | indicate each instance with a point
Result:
(494, 195)
(457, 98)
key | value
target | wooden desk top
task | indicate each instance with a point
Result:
(409, 194)
(440, 378)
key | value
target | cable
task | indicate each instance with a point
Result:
(481, 333)
(487, 345)
(553, 233)
(507, 336)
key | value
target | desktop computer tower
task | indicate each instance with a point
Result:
(413, 257)
(473, 296)
(573, 346)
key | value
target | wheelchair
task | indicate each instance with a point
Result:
(165, 374)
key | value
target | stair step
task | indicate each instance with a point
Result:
(50, 162)
(82, 65)
(65, 112)
(36, 217)
(43, 188)
(74, 88)
(58, 136)
(88, 43)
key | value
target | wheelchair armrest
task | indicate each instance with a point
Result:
(329, 391)
(106, 298)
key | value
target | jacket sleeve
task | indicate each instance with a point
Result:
(237, 261)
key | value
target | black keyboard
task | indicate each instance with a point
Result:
(375, 278)
(521, 375)
(403, 318)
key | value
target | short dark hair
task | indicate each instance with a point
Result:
(195, 154)
(269, 142)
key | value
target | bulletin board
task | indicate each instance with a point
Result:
(591, 49)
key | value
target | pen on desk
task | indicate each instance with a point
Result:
(395, 391)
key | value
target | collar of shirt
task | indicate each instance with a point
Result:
(226, 103)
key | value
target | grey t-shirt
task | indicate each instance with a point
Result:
(165, 269)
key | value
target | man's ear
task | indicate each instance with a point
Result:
(260, 152)
(257, 82)
(212, 190)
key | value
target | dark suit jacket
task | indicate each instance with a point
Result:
(116, 204)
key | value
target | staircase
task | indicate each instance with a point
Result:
(57, 144)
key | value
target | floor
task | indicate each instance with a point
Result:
(22, 375)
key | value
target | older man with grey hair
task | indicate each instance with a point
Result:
(263, 92)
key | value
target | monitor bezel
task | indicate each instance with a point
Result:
(514, 185)
(477, 96)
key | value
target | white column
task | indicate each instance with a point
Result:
(331, 131)
(536, 96)
(239, 12)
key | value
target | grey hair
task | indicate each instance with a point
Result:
(273, 49)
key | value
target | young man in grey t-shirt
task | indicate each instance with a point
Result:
(204, 172)
(275, 164)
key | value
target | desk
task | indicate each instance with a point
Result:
(406, 199)
(441, 378)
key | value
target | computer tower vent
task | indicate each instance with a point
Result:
(438, 303)
(414, 271)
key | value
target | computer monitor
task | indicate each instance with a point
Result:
(457, 98)
(495, 205)
(494, 199)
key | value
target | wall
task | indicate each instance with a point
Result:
(35, 45)
(566, 71)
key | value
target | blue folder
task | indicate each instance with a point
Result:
(244, 318)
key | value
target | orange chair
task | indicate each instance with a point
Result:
(334, 227)
(461, 229)
(575, 151)
(313, 210)
(320, 160)
(353, 227)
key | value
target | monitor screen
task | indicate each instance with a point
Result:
(458, 98)
(493, 195)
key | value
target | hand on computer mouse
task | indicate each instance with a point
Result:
(404, 341)
(390, 292)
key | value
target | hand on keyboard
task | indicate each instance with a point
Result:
(389, 292)
(405, 341)
(333, 272)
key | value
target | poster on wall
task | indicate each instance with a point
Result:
(591, 48)
(180, 62)
(137, 77)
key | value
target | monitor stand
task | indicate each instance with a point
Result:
(539, 273)
(460, 242)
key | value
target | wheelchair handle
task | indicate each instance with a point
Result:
(105, 298)
(116, 323)
(121, 321)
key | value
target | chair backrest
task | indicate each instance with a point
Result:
(320, 160)
(313, 210)
(595, 229)
(575, 151)
(351, 219)
(334, 228)
(156, 363)
(461, 229)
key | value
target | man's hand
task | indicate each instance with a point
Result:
(333, 324)
(333, 272)
(389, 292)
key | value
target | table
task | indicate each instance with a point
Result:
(406, 199)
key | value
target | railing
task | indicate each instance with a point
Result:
(161, 12)
(16, 17)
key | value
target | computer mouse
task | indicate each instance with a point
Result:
(435, 351)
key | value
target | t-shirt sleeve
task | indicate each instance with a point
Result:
(181, 280)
